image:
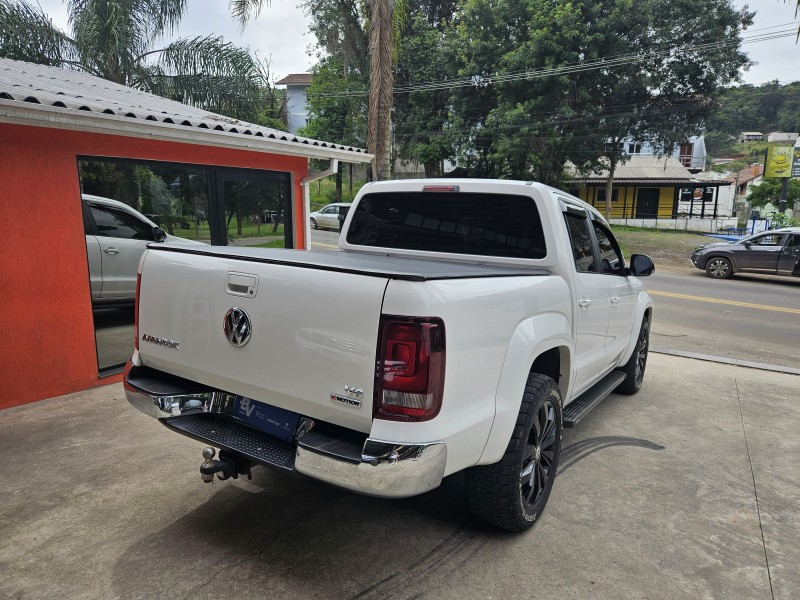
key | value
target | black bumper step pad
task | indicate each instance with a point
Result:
(229, 435)
(580, 407)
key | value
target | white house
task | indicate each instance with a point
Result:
(296, 101)
(691, 154)
(781, 136)
(751, 136)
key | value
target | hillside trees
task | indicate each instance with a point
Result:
(765, 108)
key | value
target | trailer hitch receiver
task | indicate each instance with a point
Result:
(228, 466)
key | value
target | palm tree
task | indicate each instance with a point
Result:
(386, 20)
(116, 40)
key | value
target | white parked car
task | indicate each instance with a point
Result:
(116, 237)
(328, 217)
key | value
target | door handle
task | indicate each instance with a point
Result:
(584, 302)
(110, 250)
(614, 300)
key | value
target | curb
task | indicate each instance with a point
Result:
(727, 361)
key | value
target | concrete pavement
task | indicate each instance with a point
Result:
(687, 490)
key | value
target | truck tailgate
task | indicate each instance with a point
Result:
(312, 331)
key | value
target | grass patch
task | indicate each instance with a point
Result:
(272, 244)
(664, 245)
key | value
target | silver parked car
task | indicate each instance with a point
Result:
(328, 217)
(116, 237)
(774, 252)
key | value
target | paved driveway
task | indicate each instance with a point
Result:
(688, 490)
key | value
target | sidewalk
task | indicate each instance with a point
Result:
(687, 490)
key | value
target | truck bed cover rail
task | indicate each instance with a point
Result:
(409, 269)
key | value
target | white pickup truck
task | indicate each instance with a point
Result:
(461, 325)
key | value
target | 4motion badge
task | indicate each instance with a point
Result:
(353, 397)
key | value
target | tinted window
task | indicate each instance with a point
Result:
(610, 256)
(465, 223)
(112, 222)
(581, 243)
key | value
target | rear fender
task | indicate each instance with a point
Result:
(532, 337)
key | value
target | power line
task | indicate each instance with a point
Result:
(652, 55)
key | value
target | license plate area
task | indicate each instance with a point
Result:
(278, 422)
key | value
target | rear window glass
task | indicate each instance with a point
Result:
(457, 222)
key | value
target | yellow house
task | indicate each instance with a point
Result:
(650, 187)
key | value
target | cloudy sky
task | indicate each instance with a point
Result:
(281, 35)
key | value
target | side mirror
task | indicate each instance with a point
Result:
(641, 265)
(747, 244)
(159, 234)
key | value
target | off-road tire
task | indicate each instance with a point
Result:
(634, 368)
(512, 493)
(719, 267)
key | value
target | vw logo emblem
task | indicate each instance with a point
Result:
(237, 326)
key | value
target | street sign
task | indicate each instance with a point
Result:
(779, 161)
(796, 162)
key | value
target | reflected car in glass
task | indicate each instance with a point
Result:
(774, 252)
(116, 237)
(328, 217)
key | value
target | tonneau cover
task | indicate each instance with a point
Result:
(386, 266)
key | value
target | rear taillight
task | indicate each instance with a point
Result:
(136, 311)
(410, 374)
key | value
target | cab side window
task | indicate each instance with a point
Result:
(610, 254)
(581, 242)
(770, 239)
(119, 224)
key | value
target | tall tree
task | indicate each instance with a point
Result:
(385, 21)
(559, 82)
(118, 40)
(422, 128)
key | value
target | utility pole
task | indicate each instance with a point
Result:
(784, 194)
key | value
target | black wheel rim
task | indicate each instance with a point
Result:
(540, 454)
(641, 351)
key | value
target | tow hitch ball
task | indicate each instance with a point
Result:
(228, 466)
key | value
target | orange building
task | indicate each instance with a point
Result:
(65, 135)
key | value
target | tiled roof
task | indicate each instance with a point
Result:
(747, 174)
(76, 92)
(649, 169)
(295, 79)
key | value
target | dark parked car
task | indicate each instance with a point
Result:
(775, 252)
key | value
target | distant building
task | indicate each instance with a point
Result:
(652, 187)
(746, 179)
(691, 154)
(751, 136)
(296, 100)
(780, 136)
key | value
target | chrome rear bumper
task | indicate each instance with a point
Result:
(380, 468)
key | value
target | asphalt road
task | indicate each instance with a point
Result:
(747, 318)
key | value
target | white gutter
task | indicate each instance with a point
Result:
(306, 183)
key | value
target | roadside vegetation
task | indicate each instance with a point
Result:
(665, 246)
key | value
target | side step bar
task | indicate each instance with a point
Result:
(580, 407)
